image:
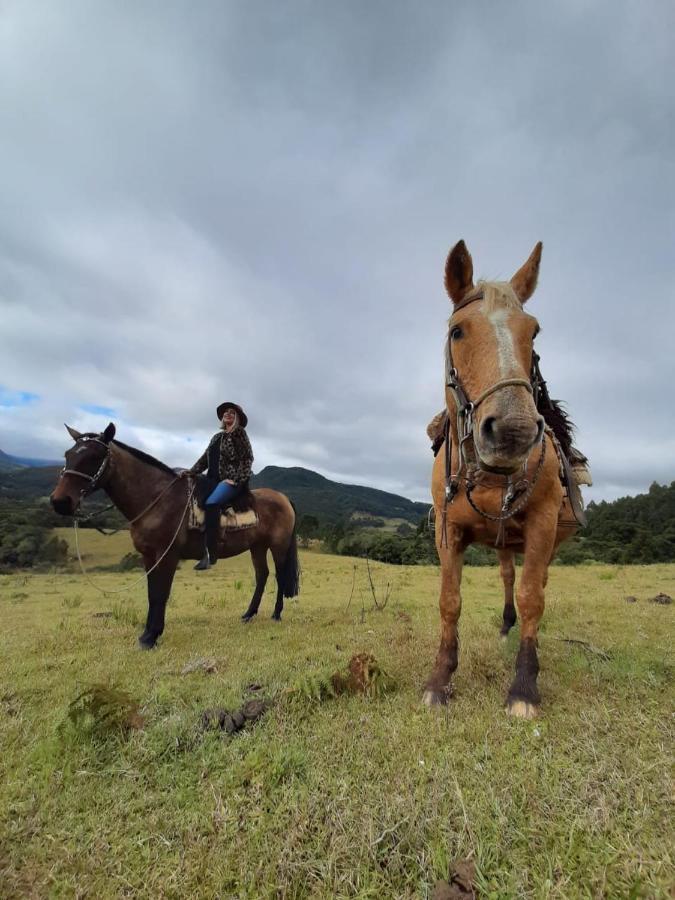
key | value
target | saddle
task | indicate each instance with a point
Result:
(239, 515)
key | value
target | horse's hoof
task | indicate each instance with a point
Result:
(435, 698)
(275, 618)
(147, 644)
(247, 617)
(522, 709)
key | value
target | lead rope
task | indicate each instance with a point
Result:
(149, 571)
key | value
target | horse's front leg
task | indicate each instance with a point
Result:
(437, 687)
(160, 580)
(523, 698)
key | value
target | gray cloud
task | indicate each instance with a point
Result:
(256, 201)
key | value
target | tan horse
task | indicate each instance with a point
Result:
(497, 479)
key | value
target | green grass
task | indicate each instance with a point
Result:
(351, 796)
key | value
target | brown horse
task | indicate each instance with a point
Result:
(497, 480)
(154, 498)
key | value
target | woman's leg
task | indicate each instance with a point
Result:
(222, 494)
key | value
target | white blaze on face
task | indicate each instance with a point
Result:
(505, 350)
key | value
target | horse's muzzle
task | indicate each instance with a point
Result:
(504, 442)
(62, 505)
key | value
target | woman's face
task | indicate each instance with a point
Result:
(229, 418)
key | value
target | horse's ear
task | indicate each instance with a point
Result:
(108, 434)
(458, 272)
(525, 280)
(75, 435)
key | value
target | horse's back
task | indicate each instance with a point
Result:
(274, 508)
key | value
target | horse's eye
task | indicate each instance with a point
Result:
(455, 333)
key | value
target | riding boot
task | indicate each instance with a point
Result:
(211, 535)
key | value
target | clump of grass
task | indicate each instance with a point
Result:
(271, 767)
(102, 711)
(129, 562)
(72, 602)
(314, 686)
(125, 614)
(363, 675)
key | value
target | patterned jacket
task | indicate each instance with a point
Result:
(228, 457)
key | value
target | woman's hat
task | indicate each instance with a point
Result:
(243, 418)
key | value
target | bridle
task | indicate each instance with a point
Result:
(466, 407)
(95, 483)
(95, 479)
(516, 493)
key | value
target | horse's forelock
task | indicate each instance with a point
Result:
(498, 295)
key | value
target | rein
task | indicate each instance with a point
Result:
(516, 495)
(149, 571)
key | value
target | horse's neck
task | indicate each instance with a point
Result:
(134, 484)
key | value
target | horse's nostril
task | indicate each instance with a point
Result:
(61, 505)
(488, 427)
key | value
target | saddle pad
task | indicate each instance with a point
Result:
(229, 519)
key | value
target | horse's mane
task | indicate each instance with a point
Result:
(559, 422)
(145, 457)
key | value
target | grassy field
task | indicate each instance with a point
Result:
(348, 797)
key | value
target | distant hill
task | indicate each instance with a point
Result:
(8, 462)
(25, 483)
(312, 494)
(331, 501)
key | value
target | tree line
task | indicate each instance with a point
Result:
(631, 530)
(638, 530)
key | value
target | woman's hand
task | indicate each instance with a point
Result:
(227, 481)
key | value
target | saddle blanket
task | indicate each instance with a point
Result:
(229, 519)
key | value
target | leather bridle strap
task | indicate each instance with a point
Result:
(96, 477)
(507, 382)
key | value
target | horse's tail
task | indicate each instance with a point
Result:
(289, 572)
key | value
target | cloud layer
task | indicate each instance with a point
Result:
(254, 202)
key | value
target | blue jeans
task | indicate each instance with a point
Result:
(223, 494)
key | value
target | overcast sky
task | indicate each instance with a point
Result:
(254, 201)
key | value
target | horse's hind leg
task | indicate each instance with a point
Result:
(259, 557)
(437, 687)
(508, 573)
(279, 560)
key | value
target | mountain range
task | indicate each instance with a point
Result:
(312, 494)
(11, 463)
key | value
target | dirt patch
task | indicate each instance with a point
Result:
(209, 666)
(662, 599)
(460, 883)
(220, 719)
(631, 599)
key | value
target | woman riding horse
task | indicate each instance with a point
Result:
(228, 460)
